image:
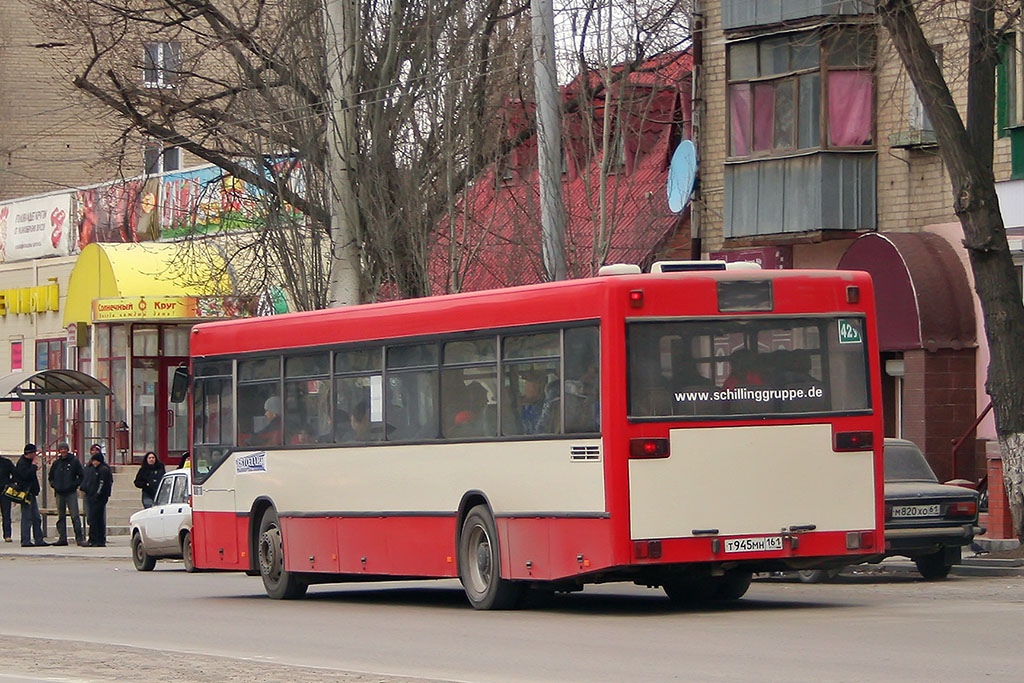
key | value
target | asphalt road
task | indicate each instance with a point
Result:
(73, 620)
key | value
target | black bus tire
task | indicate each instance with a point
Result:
(279, 583)
(480, 564)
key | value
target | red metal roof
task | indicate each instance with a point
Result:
(494, 239)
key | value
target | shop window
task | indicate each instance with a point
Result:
(776, 95)
(50, 356)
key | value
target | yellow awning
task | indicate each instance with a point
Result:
(105, 271)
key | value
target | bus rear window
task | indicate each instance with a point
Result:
(743, 367)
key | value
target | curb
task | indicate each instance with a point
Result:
(114, 551)
(969, 566)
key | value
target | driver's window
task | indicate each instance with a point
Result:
(163, 494)
(180, 494)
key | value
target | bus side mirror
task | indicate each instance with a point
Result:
(179, 385)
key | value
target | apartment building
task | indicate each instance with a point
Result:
(815, 151)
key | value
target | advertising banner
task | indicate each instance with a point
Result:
(35, 228)
(122, 211)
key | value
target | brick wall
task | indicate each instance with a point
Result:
(51, 135)
(939, 406)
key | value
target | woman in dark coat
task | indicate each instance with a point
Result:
(148, 478)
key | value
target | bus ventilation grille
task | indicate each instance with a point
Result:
(584, 453)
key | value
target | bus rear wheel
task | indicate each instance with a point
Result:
(279, 584)
(480, 564)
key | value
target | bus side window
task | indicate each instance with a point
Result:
(582, 380)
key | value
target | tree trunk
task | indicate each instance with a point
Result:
(342, 35)
(967, 154)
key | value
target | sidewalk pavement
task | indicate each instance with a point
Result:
(118, 548)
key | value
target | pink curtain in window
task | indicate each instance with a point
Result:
(764, 116)
(851, 103)
(739, 125)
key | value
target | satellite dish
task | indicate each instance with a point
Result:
(682, 173)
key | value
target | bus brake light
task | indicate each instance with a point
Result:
(636, 298)
(648, 448)
(854, 441)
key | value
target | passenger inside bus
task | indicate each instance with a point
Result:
(270, 433)
(743, 370)
(538, 404)
(362, 428)
(472, 420)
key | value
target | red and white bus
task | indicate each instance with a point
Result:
(674, 429)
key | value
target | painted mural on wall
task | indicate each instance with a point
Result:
(207, 200)
(35, 228)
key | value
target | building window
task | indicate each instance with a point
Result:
(1011, 80)
(1010, 100)
(160, 64)
(776, 98)
(160, 158)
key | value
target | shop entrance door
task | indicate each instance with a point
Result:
(157, 424)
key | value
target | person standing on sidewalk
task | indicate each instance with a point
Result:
(31, 521)
(6, 472)
(89, 476)
(65, 477)
(96, 496)
(151, 471)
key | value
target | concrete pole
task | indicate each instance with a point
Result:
(549, 139)
(341, 32)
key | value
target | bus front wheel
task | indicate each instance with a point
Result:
(279, 584)
(480, 564)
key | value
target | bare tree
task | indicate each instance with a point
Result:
(243, 84)
(966, 147)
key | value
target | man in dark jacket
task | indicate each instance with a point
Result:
(96, 495)
(27, 479)
(6, 472)
(65, 478)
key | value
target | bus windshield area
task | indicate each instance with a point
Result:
(747, 367)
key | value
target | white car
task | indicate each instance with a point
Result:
(165, 530)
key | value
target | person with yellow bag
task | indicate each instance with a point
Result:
(27, 479)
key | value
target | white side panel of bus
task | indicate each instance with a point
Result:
(536, 476)
(751, 480)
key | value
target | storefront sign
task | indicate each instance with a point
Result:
(29, 299)
(35, 228)
(172, 307)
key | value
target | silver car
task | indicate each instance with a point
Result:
(165, 530)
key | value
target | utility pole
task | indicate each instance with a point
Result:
(341, 33)
(549, 139)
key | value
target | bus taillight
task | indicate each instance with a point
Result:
(648, 448)
(636, 298)
(854, 441)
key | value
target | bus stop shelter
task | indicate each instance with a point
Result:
(49, 385)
